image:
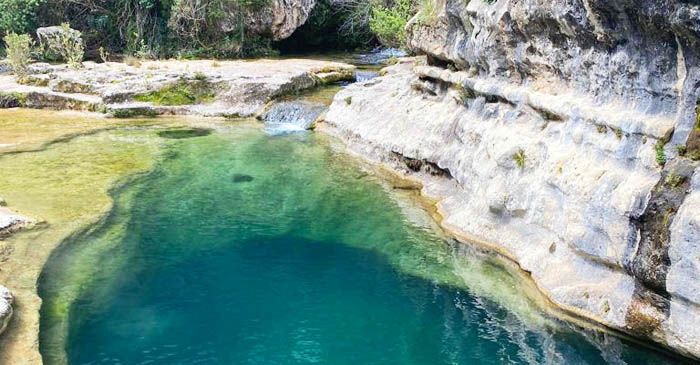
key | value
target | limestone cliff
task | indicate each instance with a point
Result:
(551, 131)
(279, 19)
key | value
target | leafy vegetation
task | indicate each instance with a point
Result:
(19, 52)
(17, 16)
(187, 29)
(674, 180)
(660, 154)
(388, 23)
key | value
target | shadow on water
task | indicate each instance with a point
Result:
(248, 248)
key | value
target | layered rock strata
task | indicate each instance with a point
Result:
(233, 88)
(565, 137)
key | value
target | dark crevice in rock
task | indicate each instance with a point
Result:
(646, 312)
(422, 165)
(649, 261)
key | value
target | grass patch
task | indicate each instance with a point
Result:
(183, 92)
(520, 158)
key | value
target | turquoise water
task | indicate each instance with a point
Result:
(243, 248)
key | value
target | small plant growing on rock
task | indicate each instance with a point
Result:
(660, 154)
(63, 42)
(132, 61)
(19, 52)
(602, 129)
(682, 150)
(674, 180)
(200, 76)
(618, 132)
(519, 158)
(104, 55)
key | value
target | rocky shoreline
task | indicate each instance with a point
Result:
(547, 134)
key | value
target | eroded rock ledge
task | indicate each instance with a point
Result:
(556, 182)
(208, 88)
(572, 137)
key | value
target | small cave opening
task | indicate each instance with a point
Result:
(328, 29)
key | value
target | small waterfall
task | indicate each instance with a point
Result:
(291, 117)
(364, 75)
(379, 56)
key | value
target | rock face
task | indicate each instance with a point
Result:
(53, 40)
(5, 308)
(556, 126)
(279, 19)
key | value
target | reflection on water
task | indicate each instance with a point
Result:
(248, 248)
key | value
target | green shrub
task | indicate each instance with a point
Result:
(674, 180)
(19, 52)
(660, 154)
(71, 47)
(17, 16)
(682, 150)
(389, 23)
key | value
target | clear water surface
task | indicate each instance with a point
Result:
(244, 248)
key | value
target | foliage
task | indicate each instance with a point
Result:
(104, 55)
(389, 23)
(17, 16)
(682, 150)
(19, 52)
(660, 154)
(674, 180)
(71, 47)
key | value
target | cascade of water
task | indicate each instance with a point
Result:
(291, 116)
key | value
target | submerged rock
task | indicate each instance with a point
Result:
(240, 178)
(184, 133)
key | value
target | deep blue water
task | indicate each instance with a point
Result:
(243, 248)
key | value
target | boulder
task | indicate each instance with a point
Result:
(53, 41)
(5, 308)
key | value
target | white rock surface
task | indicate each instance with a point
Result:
(566, 216)
(5, 308)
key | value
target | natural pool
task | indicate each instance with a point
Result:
(244, 248)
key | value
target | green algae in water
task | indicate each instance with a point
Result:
(306, 263)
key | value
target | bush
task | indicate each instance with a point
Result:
(72, 49)
(389, 23)
(19, 52)
(17, 16)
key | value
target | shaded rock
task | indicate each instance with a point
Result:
(280, 18)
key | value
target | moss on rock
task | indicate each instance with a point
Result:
(184, 92)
